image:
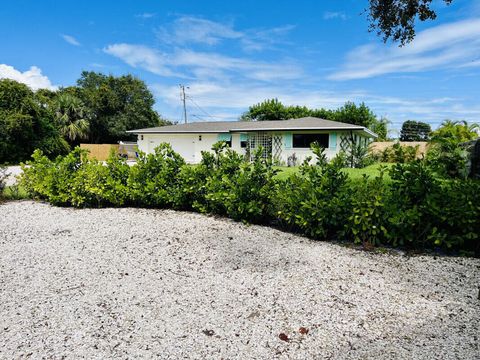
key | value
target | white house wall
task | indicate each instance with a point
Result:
(189, 146)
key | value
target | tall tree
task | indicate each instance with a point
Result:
(445, 153)
(395, 19)
(380, 127)
(71, 118)
(456, 132)
(352, 114)
(271, 109)
(415, 131)
(26, 124)
(117, 104)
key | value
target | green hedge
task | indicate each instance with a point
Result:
(415, 210)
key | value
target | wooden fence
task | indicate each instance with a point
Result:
(382, 145)
(99, 151)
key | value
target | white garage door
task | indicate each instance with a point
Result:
(182, 144)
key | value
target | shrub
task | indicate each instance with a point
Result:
(456, 210)
(234, 187)
(399, 153)
(446, 154)
(449, 160)
(316, 201)
(414, 190)
(76, 180)
(415, 210)
(51, 180)
(365, 223)
(154, 178)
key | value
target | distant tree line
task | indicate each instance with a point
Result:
(99, 109)
(350, 113)
(415, 131)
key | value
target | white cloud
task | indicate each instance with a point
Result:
(142, 57)
(445, 46)
(70, 39)
(195, 30)
(32, 77)
(190, 29)
(329, 15)
(201, 65)
(259, 40)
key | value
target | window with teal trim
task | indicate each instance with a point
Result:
(306, 140)
(227, 138)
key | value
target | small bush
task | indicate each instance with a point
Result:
(399, 153)
(414, 190)
(234, 187)
(154, 179)
(455, 208)
(316, 201)
(365, 224)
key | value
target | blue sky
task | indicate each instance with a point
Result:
(233, 54)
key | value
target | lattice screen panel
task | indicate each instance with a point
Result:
(277, 147)
(260, 139)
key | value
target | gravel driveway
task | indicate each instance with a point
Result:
(13, 172)
(136, 283)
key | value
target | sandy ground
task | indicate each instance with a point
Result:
(136, 283)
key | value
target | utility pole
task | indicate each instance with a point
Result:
(182, 96)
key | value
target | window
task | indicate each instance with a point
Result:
(305, 140)
(227, 138)
(243, 140)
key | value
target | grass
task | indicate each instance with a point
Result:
(354, 174)
(14, 193)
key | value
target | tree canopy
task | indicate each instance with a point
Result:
(25, 124)
(117, 104)
(456, 132)
(98, 110)
(395, 19)
(415, 131)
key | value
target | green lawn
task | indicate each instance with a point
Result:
(372, 171)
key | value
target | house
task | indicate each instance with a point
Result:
(280, 139)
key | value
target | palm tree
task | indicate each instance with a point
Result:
(71, 117)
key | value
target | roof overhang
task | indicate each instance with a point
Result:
(176, 132)
(363, 130)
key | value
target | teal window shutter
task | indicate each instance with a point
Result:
(224, 137)
(287, 140)
(243, 137)
(332, 141)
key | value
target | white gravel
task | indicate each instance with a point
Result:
(137, 283)
(13, 172)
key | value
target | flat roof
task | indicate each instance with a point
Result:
(306, 123)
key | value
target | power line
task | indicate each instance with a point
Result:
(199, 107)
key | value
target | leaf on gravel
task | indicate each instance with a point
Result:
(303, 331)
(283, 337)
